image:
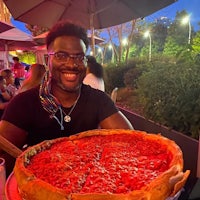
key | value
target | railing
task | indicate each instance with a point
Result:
(188, 145)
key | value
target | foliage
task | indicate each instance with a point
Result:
(114, 76)
(196, 45)
(36, 30)
(132, 75)
(121, 75)
(159, 34)
(132, 51)
(27, 57)
(171, 47)
(128, 99)
(170, 94)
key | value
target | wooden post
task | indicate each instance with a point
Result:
(9, 147)
(92, 33)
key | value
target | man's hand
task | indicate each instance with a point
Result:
(174, 179)
(178, 181)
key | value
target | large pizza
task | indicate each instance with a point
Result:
(101, 165)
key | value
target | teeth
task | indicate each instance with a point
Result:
(69, 75)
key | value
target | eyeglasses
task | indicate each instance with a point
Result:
(79, 59)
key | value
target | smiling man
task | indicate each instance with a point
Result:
(62, 105)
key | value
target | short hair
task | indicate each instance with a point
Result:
(66, 28)
(94, 67)
(16, 58)
(91, 59)
(6, 73)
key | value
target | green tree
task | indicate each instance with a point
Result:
(171, 47)
(36, 30)
(159, 34)
(27, 57)
(196, 45)
(177, 36)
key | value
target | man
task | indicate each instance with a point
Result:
(62, 105)
(18, 68)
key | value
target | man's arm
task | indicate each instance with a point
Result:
(116, 121)
(3, 105)
(13, 134)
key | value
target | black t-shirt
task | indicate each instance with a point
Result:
(2, 100)
(26, 112)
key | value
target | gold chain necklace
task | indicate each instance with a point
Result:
(67, 117)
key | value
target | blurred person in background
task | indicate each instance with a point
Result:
(10, 81)
(27, 71)
(36, 73)
(17, 83)
(94, 74)
(4, 95)
(18, 68)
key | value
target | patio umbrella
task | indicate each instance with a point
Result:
(41, 39)
(15, 39)
(91, 14)
(5, 26)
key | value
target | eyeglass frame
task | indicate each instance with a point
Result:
(79, 59)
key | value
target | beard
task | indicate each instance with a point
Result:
(59, 80)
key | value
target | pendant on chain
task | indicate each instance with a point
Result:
(67, 118)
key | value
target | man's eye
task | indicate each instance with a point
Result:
(80, 57)
(61, 55)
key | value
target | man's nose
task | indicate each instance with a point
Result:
(70, 62)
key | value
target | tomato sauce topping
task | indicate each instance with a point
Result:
(112, 163)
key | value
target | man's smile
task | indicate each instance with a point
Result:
(70, 76)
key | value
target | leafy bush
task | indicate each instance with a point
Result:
(170, 94)
(132, 75)
(27, 57)
(114, 76)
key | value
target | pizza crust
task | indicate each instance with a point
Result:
(136, 195)
(32, 188)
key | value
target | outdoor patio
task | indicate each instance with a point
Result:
(188, 145)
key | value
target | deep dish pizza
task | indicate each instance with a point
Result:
(100, 165)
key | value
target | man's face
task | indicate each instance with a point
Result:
(67, 62)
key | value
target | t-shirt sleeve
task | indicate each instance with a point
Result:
(106, 106)
(97, 104)
(18, 111)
